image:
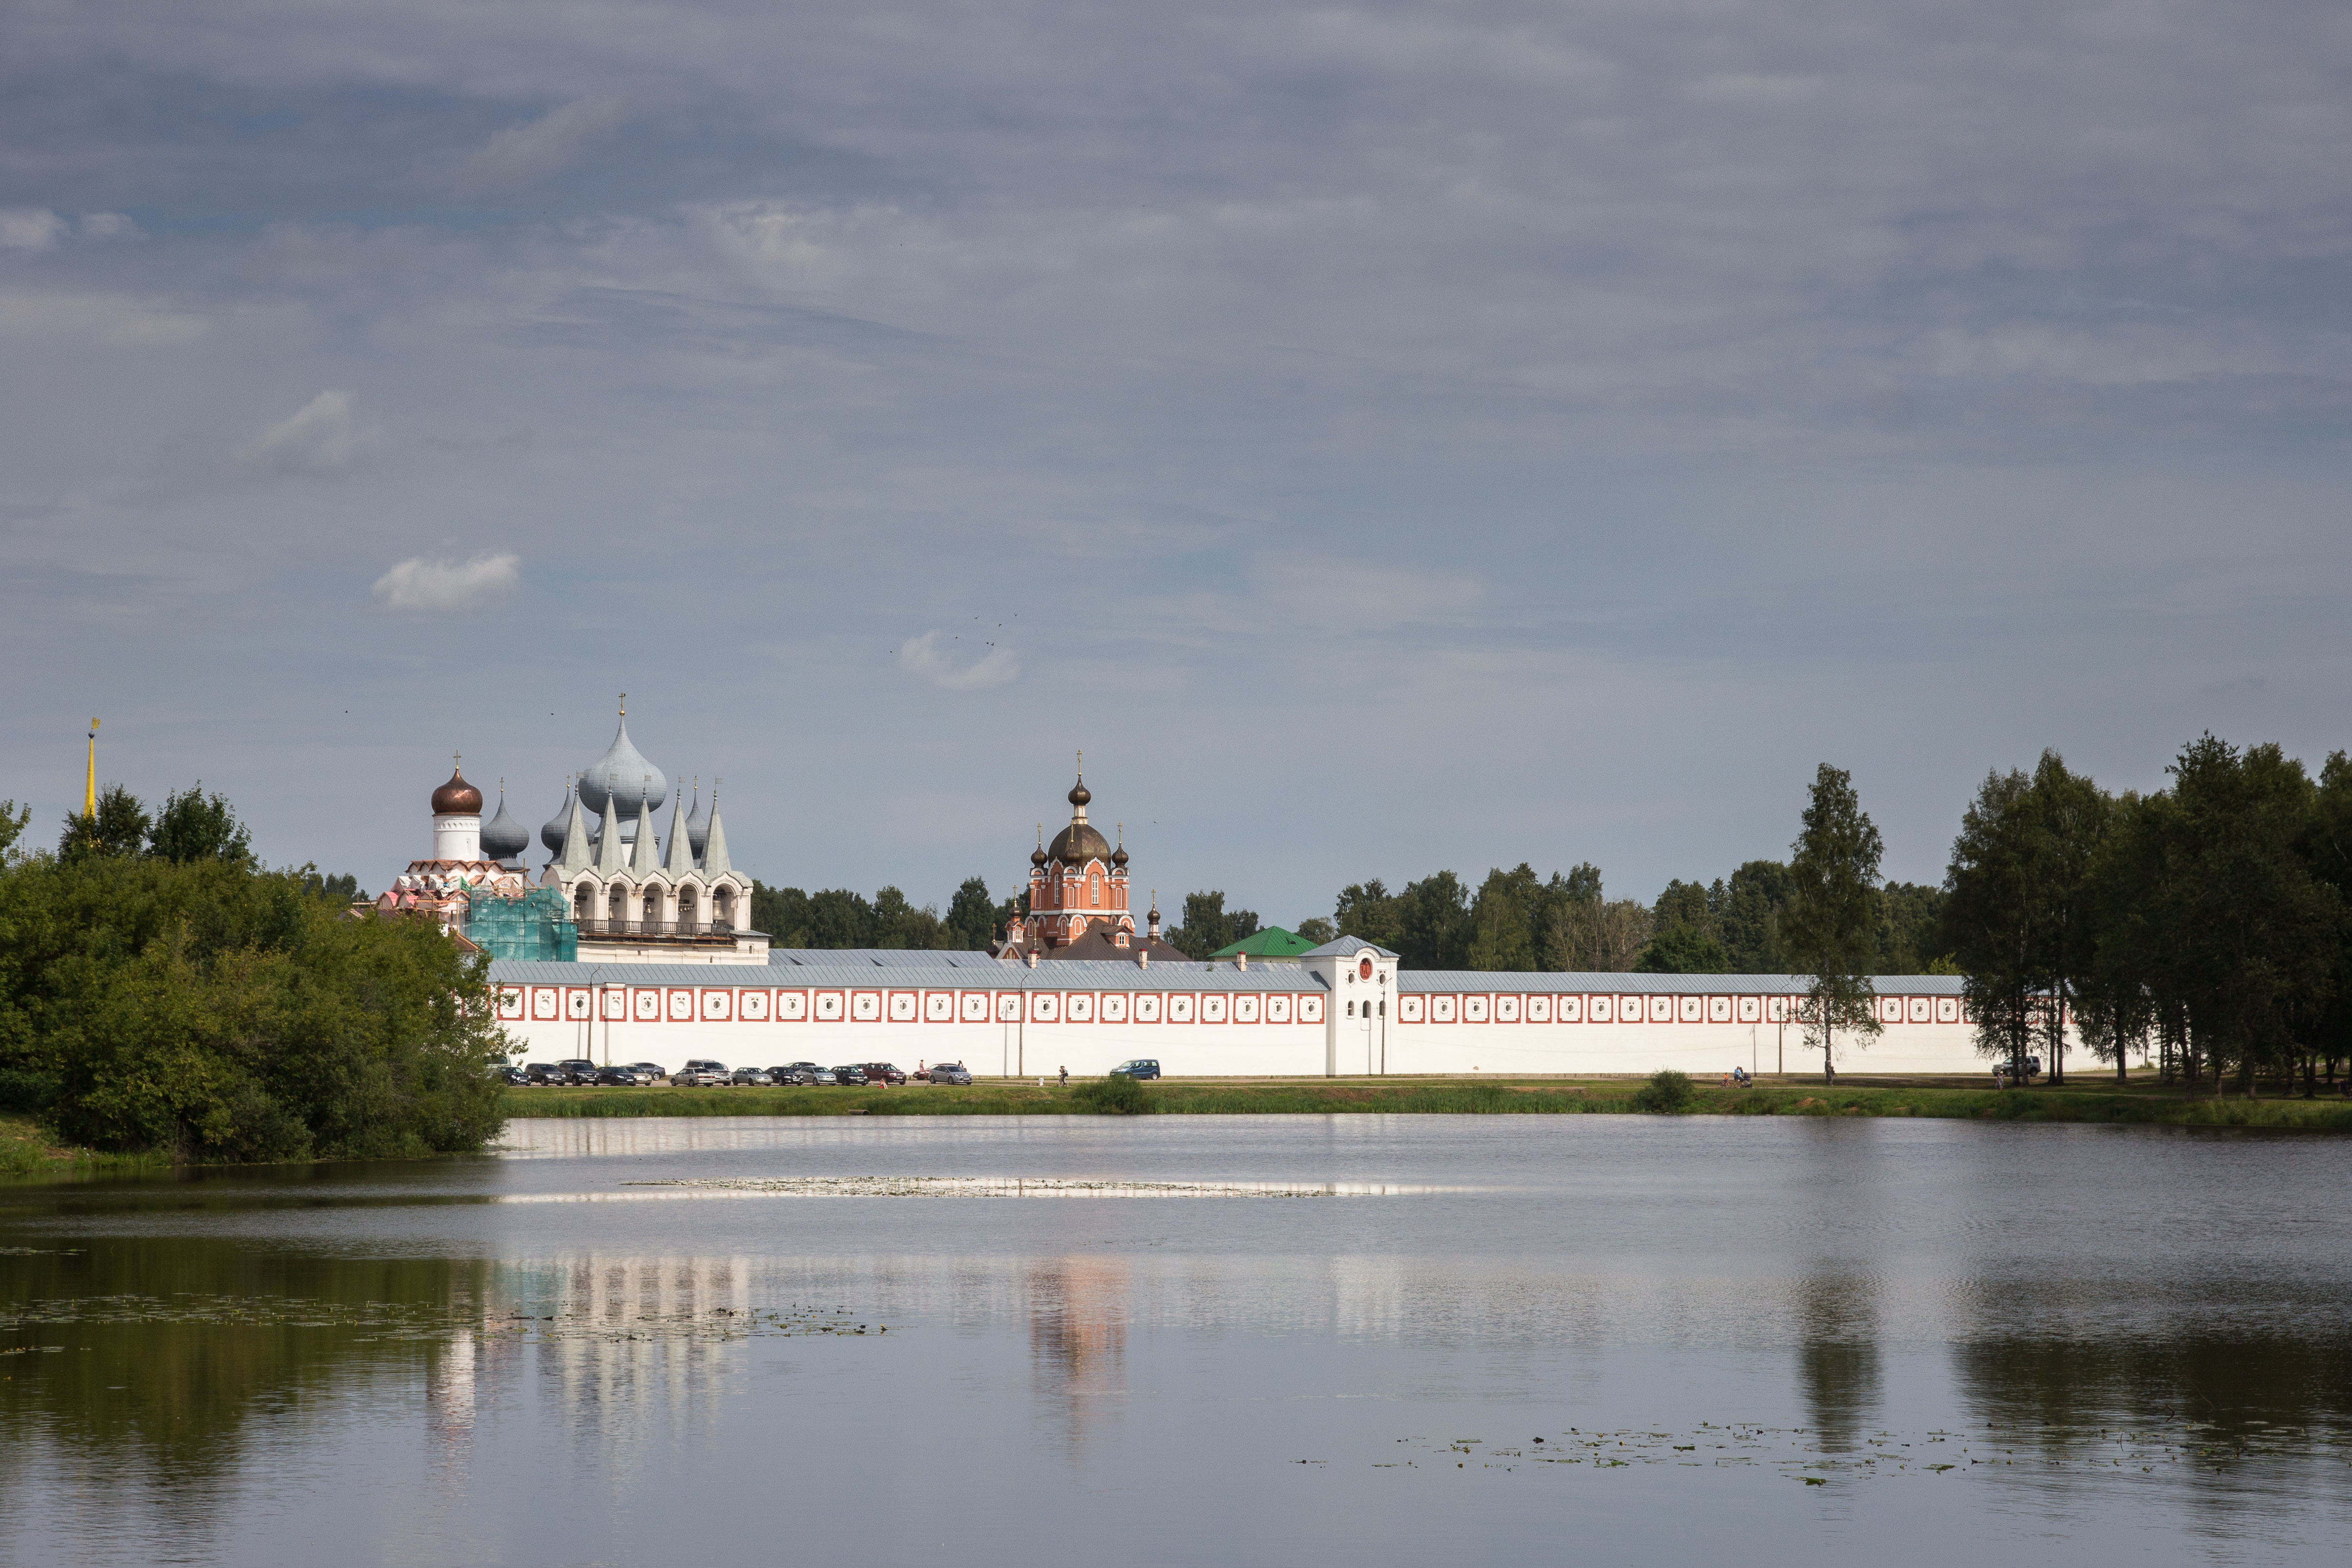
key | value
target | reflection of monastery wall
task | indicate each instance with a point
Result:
(1200, 1019)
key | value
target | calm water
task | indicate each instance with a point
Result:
(1184, 1339)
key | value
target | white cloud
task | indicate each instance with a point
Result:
(110, 225)
(418, 583)
(923, 657)
(29, 228)
(524, 154)
(320, 437)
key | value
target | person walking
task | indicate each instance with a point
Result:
(1065, 1077)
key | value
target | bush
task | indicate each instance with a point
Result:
(1667, 1092)
(1114, 1096)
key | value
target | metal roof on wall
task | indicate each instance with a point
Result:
(1632, 984)
(988, 975)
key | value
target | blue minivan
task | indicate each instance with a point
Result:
(1139, 1067)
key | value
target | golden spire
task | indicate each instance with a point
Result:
(624, 704)
(89, 779)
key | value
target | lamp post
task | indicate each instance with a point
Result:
(596, 985)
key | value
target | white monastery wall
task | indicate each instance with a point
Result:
(1229, 1028)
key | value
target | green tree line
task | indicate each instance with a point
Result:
(2205, 923)
(161, 990)
(837, 918)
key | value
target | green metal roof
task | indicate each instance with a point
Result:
(1266, 941)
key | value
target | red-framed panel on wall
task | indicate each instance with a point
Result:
(1248, 1009)
(1661, 1009)
(1113, 1006)
(1477, 1008)
(753, 1007)
(1215, 1007)
(1539, 1009)
(976, 1006)
(717, 1005)
(1183, 1008)
(1278, 1009)
(681, 1005)
(1310, 1008)
(1947, 1009)
(1507, 1009)
(1008, 1006)
(906, 1007)
(645, 1004)
(939, 1007)
(1718, 1009)
(1600, 1009)
(1044, 1006)
(791, 1007)
(865, 1007)
(1444, 1009)
(546, 1001)
(1150, 1007)
(1689, 1009)
(1078, 1006)
(1569, 1009)
(510, 1002)
(1751, 1009)
(829, 1007)
(1410, 1009)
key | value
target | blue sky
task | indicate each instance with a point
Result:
(1384, 437)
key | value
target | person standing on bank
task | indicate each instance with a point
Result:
(1065, 1077)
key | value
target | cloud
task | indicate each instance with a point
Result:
(29, 228)
(110, 225)
(318, 438)
(418, 583)
(523, 155)
(922, 657)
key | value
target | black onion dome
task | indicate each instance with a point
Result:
(1118, 857)
(551, 835)
(503, 837)
(1079, 793)
(1077, 844)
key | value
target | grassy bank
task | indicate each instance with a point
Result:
(28, 1150)
(2100, 1100)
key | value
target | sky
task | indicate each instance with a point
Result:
(1383, 437)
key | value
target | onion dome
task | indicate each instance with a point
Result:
(551, 835)
(504, 838)
(456, 798)
(1037, 855)
(1119, 855)
(1079, 796)
(1081, 841)
(624, 777)
(698, 823)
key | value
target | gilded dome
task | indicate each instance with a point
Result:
(1077, 844)
(456, 798)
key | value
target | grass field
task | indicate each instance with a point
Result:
(2083, 1099)
(26, 1149)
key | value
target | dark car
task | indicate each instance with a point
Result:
(649, 1072)
(848, 1075)
(547, 1074)
(751, 1078)
(617, 1078)
(513, 1075)
(580, 1069)
(949, 1072)
(1142, 1067)
(701, 1074)
(881, 1072)
(800, 1072)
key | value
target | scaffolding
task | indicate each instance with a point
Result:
(536, 924)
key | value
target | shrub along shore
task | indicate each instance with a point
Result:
(2141, 1102)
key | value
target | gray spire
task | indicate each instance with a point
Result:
(681, 853)
(551, 835)
(608, 843)
(698, 826)
(714, 848)
(572, 858)
(646, 860)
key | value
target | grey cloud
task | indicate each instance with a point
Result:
(322, 436)
(523, 155)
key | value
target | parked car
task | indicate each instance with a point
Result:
(547, 1075)
(579, 1070)
(701, 1074)
(649, 1072)
(2002, 1071)
(513, 1075)
(1142, 1067)
(848, 1075)
(881, 1072)
(949, 1072)
(800, 1072)
(617, 1078)
(751, 1078)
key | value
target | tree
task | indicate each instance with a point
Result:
(1909, 938)
(1682, 949)
(1208, 925)
(1597, 936)
(1432, 927)
(2071, 815)
(897, 923)
(782, 913)
(1366, 909)
(1750, 918)
(12, 820)
(1831, 915)
(196, 827)
(1990, 909)
(119, 827)
(1317, 930)
(970, 924)
(1507, 919)
(839, 919)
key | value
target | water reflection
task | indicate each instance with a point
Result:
(1838, 1360)
(1077, 1313)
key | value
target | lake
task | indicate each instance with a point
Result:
(1179, 1339)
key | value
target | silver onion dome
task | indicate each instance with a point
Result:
(625, 777)
(504, 838)
(551, 835)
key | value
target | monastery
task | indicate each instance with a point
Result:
(635, 946)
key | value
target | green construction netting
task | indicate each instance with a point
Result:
(538, 924)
